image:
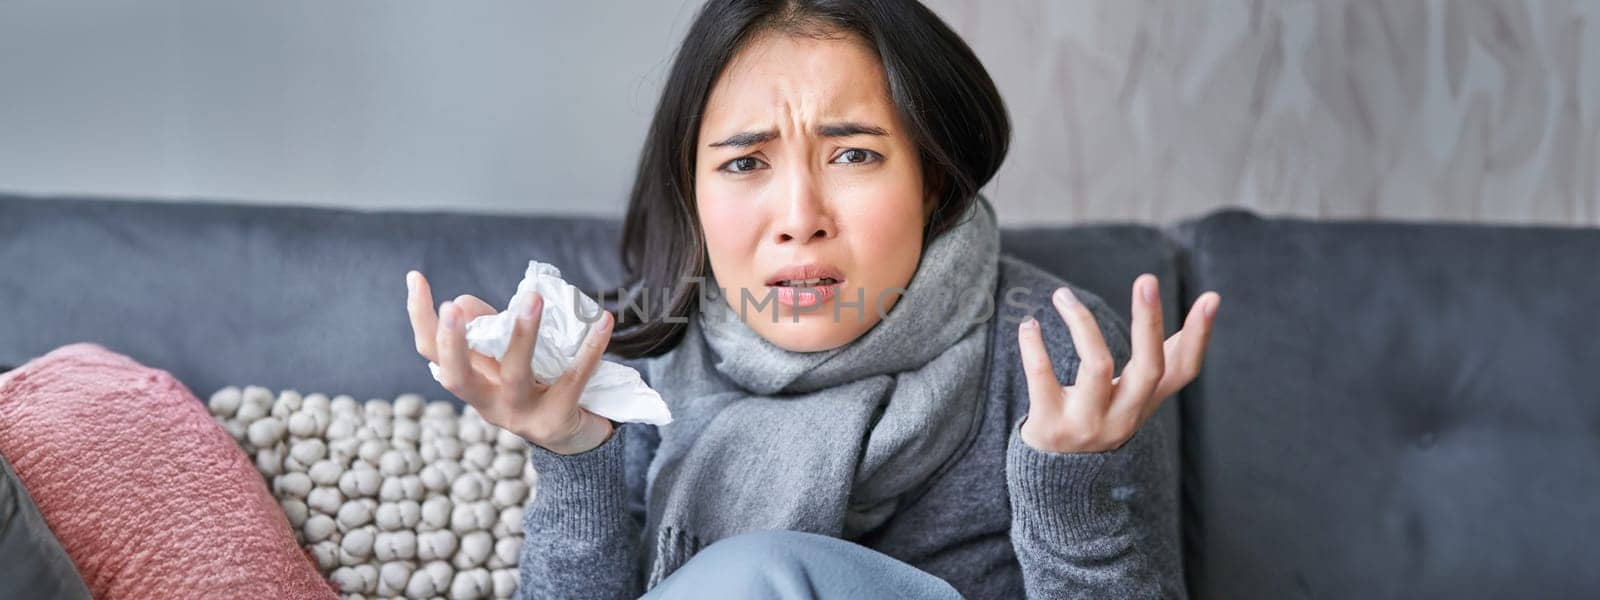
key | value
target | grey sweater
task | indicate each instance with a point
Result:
(1005, 521)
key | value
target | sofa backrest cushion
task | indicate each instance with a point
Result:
(285, 297)
(1393, 410)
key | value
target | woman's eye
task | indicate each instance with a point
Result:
(856, 156)
(743, 164)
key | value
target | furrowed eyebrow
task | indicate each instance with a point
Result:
(746, 139)
(849, 129)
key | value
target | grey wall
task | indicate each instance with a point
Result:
(497, 106)
(1462, 110)
(1473, 110)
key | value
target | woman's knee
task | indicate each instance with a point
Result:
(764, 540)
(761, 553)
(758, 564)
(794, 565)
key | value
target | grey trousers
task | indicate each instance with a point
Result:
(791, 565)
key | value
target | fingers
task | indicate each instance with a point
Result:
(516, 367)
(1092, 386)
(1197, 328)
(1148, 364)
(1044, 389)
(473, 306)
(588, 358)
(1185, 350)
(1171, 379)
(456, 372)
(424, 323)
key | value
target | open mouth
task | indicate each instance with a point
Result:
(813, 282)
(805, 285)
(806, 293)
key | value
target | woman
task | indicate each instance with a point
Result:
(850, 418)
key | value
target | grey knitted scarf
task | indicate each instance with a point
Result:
(827, 442)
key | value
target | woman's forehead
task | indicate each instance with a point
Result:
(801, 79)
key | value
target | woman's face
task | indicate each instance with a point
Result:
(804, 172)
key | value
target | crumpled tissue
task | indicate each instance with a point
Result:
(615, 391)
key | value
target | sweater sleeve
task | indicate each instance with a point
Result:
(1073, 530)
(580, 538)
(1097, 524)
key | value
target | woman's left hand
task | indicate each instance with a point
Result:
(1098, 412)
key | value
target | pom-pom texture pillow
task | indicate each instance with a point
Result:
(404, 498)
(146, 494)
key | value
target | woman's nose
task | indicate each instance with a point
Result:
(805, 215)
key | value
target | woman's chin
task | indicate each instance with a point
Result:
(814, 333)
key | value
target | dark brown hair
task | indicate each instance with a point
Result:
(943, 95)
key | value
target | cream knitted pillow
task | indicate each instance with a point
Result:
(393, 499)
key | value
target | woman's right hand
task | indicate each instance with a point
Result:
(504, 391)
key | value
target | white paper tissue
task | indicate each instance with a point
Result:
(615, 391)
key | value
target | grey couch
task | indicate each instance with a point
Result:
(1387, 410)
